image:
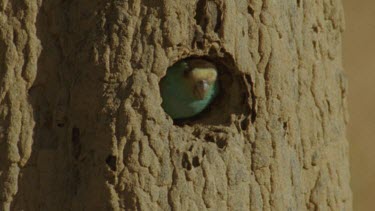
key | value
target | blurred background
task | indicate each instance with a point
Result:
(359, 64)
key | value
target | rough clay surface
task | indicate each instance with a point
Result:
(81, 126)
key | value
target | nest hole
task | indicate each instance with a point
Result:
(230, 98)
(111, 162)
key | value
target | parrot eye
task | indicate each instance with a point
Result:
(186, 73)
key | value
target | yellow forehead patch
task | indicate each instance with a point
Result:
(208, 74)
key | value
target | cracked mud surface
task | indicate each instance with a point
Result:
(82, 127)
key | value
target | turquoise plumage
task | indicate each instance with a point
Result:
(188, 88)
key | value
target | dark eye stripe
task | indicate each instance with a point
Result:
(186, 72)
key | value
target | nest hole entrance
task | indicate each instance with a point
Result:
(218, 111)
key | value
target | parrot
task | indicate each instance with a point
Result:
(188, 87)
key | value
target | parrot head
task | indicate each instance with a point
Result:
(189, 87)
(200, 76)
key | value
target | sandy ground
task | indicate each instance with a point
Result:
(359, 63)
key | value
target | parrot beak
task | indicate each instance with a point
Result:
(201, 88)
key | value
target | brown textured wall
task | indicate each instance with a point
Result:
(359, 64)
(82, 127)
